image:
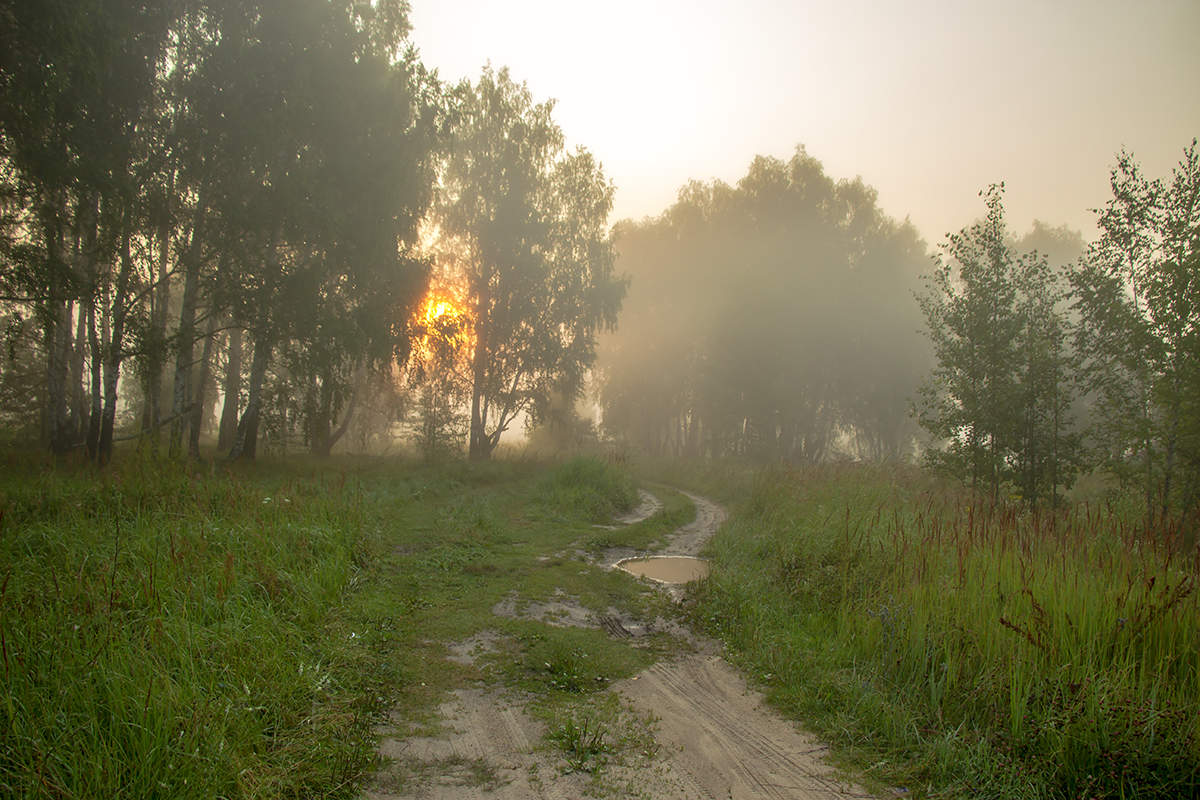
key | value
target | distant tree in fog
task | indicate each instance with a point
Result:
(772, 319)
(1061, 246)
(530, 221)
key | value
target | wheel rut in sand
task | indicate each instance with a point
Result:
(690, 539)
(648, 505)
(721, 740)
(717, 738)
(488, 751)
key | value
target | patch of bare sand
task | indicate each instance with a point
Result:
(648, 505)
(469, 650)
(561, 610)
(564, 611)
(715, 737)
(487, 751)
(691, 538)
(492, 750)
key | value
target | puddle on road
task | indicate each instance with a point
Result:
(666, 569)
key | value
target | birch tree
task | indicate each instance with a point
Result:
(537, 256)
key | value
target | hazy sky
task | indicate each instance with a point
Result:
(928, 100)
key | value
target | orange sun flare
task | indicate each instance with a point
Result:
(443, 326)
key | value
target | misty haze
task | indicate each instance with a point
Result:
(407, 400)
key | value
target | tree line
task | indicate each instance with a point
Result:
(1046, 367)
(775, 319)
(229, 198)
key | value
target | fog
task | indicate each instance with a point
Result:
(929, 102)
(773, 318)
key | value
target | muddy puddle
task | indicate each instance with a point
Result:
(666, 569)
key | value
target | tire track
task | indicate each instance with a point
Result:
(690, 539)
(721, 735)
(648, 505)
(486, 753)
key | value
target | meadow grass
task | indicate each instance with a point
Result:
(180, 631)
(953, 647)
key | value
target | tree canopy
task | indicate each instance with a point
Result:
(1137, 295)
(237, 189)
(1092, 361)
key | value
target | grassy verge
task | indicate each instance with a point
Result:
(198, 632)
(956, 649)
(677, 510)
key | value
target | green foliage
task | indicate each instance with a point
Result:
(582, 738)
(525, 225)
(597, 733)
(726, 480)
(569, 661)
(962, 647)
(173, 634)
(998, 401)
(1138, 299)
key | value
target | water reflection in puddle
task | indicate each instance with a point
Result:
(666, 569)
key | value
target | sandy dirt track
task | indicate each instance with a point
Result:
(722, 742)
(648, 505)
(691, 538)
(716, 737)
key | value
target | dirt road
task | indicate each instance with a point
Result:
(716, 738)
(722, 742)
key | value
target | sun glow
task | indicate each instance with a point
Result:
(443, 322)
(444, 333)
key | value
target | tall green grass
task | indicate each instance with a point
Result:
(202, 632)
(988, 651)
(165, 634)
